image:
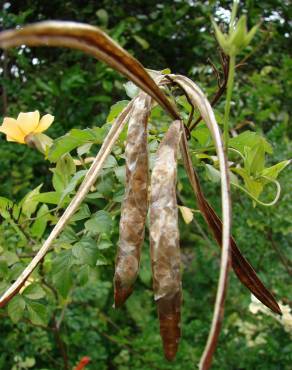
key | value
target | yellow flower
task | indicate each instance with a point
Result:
(26, 124)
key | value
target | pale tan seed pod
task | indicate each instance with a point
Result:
(135, 203)
(164, 240)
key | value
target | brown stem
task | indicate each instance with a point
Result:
(284, 260)
(222, 86)
(60, 343)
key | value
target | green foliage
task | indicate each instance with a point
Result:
(68, 299)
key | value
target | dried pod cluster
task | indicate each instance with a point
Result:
(164, 235)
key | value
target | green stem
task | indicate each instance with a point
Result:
(228, 99)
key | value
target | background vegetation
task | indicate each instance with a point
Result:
(66, 312)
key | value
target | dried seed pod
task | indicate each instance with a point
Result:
(135, 204)
(164, 240)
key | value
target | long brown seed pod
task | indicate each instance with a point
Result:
(198, 99)
(164, 240)
(135, 203)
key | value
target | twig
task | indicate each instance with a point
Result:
(284, 260)
(222, 86)
(60, 343)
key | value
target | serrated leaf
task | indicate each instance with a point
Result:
(120, 173)
(104, 244)
(85, 251)
(65, 168)
(62, 261)
(68, 236)
(39, 226)
(9, 257)
(5, 205)
(72, 140)
(72, 184)
(16, 308)
(37, 313)
(110, 162)
(83, 274)
(100, 222)
(116, 110)
(101, 261)
(82, 213)
(29, 202)
(63, 282)
(51, 197)
(34, 291)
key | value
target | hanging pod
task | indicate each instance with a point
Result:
(135, 203)
(164, 240)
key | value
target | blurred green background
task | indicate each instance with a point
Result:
(79, 92)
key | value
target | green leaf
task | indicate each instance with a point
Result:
(84, 149)
(39, 226)
(106, 185)
(202, 134)
(51, 197)
(103, 16)
(254, 159)
(37, 313)
(63, 281)
(131, 89)
(249, 139)
(5, 205)
(29, 202)
(68, 236)
(212, 173)
(144, 43)
(102, 261)
(61, 269)
(84, 212)
(15, 308)
(62, 261)
(83, 274)
(273, 172)
(110, 162)
(34, 291)
(116, 110)
(72, 184)
(65, 168)
(70, 141)
(100, 222)
(255, 187)
(120, 173)
(9, 257)
(104, 244)
(86, 251)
